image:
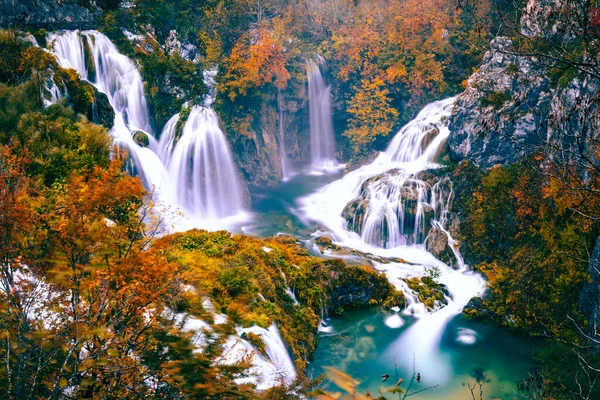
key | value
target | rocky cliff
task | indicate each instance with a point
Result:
(278, 134)
(52, 14)
(501, 117)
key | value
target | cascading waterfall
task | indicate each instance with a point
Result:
(386, 202)
(386, 209)
(322, 140)
(194, 173)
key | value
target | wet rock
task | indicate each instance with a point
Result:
(141, 138)
(476, 308)
(437, 244)
(101, 112)
(325, 243)
(428, 138)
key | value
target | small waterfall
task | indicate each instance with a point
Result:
(322, 139)
(207, 182)
(276, 351)
(195, 173)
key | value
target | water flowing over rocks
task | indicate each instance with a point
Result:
(394, 209)
(192, 170)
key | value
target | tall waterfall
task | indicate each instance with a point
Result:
(207, 184)
(195, 173)
(322, 140)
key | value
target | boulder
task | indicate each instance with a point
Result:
(141, 138)
(502, 116)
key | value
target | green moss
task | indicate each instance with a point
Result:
(496, 99)
(141, 138)
(250, 285)
(429, 292)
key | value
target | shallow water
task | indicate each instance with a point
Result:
(363, 346)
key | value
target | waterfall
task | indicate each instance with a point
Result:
(195, 174)
(285, 167)
(322, 140)
(394, 200)
(386, 209)
(276, 351)
(207, 182)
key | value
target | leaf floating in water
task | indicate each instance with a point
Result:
(341, 379)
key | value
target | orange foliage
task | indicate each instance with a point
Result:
(256, 59)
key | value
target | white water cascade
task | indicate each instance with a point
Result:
(322, 140)
(207, 184)
(386, 209)
(276, 351)
(194, 173)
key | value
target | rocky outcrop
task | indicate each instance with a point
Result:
(552, 18)
(502, 116)
(349, 286)
(100, 111)
(437, 242)
(282, 117)
(589, 301)
(51, 14)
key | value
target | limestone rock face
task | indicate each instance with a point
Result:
(50, 14)
(280, 126)
(551, 18)
(498, 118)
(515, 105)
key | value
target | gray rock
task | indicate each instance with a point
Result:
(552, 18)
(50, 14)
(502, 116)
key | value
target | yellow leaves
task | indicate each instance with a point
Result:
(372, 114)
(396, 72)
(341, 379)
(255, 60)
